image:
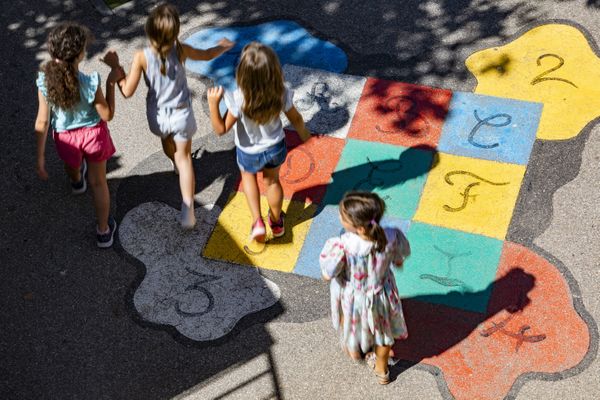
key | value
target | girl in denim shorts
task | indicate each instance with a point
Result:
(169, 102)
(253, 110)
(72, 102)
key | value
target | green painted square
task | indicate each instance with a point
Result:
(396, 173)
(449, 267)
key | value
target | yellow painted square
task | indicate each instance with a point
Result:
(471, 195)
(230, 238)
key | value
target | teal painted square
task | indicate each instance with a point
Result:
(449, 267)
(490, 128)
(396, 173)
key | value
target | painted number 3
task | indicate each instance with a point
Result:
(543, 76)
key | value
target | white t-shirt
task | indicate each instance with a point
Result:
(251, 137)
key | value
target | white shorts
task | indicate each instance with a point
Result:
(179, 122)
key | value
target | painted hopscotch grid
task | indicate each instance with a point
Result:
(449, 202)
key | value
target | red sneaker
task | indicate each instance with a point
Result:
(277, 227)
(258, 231)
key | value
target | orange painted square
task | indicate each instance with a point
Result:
(308, 167)
(400, 113)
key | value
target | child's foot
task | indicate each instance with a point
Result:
(81, 186)
(188, 219)
(383, 378)
(277, 227)
(105, 239)
(258, 231)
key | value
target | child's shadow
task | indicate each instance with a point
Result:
(434, 328)
(368, 176)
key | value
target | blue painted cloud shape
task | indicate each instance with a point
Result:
(293, 44)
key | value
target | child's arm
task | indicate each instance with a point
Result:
(106, 106)
(296, 119)
(332, 259)
(127, 83)
(42, 121)
(206, 54)
(220, 125)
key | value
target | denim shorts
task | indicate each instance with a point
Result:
(272, 157)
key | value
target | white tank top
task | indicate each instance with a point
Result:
(169, 90)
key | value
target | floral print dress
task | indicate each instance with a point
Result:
(365, 305)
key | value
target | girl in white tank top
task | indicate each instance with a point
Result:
(168, 103)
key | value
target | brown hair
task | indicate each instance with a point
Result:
(65, 44)
(260, 78)
(365, 209)
(162, 28)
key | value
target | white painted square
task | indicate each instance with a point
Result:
(326, 100)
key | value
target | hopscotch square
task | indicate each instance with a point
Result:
(308, 167)
(449, 267)
(471, 195)
(326, 100)
(490, 128)
(400, 113)
(395, 173)
(326, 225)
(232, 231)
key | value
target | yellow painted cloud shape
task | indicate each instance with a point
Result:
(552, 64)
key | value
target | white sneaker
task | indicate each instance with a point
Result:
(188, 219)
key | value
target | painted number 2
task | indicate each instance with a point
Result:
(542, 77)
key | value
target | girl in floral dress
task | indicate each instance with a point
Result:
(365, 305)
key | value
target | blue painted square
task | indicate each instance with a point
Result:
(449, 267)
(395, 173)
(491, 128)
(324, 226)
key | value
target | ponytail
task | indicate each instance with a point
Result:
(62, 84)
(365, 210)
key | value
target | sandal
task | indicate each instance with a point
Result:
(382, 379)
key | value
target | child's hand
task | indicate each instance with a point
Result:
(214, 95)
(116, 74)
(111, 58)
(41, 170)
(226, 44)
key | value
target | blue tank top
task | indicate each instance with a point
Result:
(84, 113)
(169, 90)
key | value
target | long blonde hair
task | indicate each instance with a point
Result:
(162, 28)
(260, 78)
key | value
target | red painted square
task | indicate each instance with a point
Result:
(308, 167)
(400, 113)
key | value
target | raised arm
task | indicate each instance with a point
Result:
(127, 83)
(220, 125)
(42, 121)
(206, 54)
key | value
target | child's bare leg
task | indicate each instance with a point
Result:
(355, 355)
(168, 145)
(252, 193)
(73, 173)
(183, 161)
(274, 191)
(97, 181)
(381, 362)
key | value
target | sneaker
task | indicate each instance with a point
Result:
(105, 240)
(188, 219)
(81, 186)
(258, 231)
(277, 227)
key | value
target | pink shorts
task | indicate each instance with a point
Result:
(90, 142)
